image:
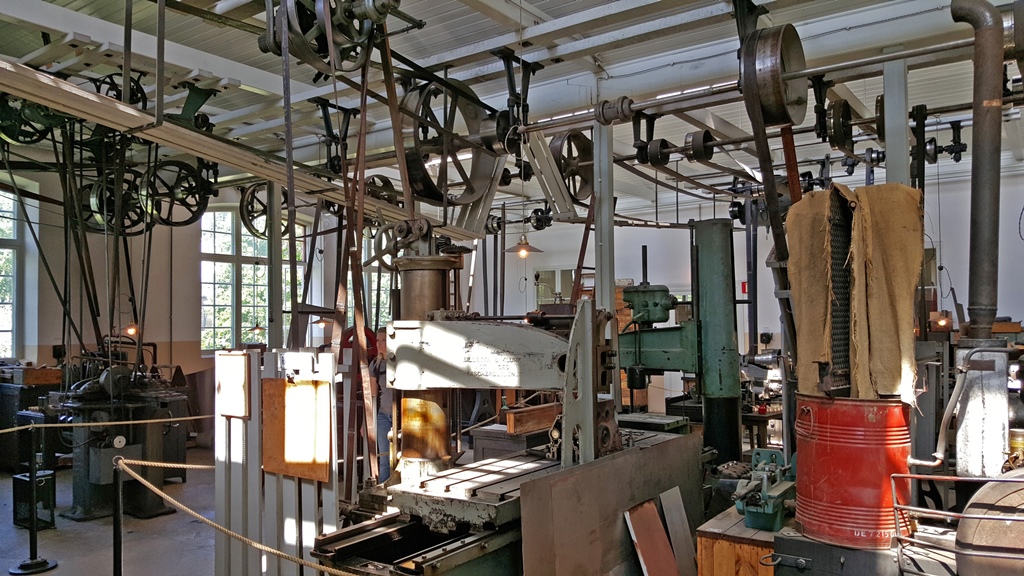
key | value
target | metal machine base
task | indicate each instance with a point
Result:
(797, 555)
(35, 566)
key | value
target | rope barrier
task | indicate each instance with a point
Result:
(180, 465)
(91, 424)
(122, 464)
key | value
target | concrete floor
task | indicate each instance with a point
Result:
(171, 545)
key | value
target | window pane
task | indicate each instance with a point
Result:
(8, 217)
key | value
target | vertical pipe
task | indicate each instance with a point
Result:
(643, 262)
(985, 160)
(500, 301)
(716, 305)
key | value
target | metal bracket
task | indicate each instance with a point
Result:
(640, 143)
(820, 88)
(798, 562)
(746, 14)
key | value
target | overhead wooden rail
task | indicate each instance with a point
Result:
(67, 98)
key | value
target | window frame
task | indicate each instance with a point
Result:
(16, 245)
(238, 261)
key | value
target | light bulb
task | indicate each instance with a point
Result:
(131, 329)
(523, 252)
(943, 322)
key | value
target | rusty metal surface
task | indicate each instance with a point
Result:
(425, 429)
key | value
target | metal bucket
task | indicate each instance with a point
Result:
(847, 451)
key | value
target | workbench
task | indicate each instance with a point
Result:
(756, 426)
(726, 547)
(654, 422)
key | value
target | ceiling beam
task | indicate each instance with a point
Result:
(512, 14)
(46, 17)
(543, 33)
(625, 36)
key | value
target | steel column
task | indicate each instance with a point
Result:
(604, 218)
(897, 150)
(716, 309)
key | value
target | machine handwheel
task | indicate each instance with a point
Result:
(175, 193)
(439, 169)
(252, 209)
(574, 156)
(385, 243)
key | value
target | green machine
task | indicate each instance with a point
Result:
(762, 499)
(705, 345)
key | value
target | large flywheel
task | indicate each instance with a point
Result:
(448, 148)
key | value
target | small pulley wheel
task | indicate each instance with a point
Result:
(698, 146)
(175, 193)
(838, 123)
(574, 156)
(252, 210)
(382, 188)
(658, 152)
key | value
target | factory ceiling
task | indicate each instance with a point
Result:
(590, 50)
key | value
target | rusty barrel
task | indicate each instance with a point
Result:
(847, 449)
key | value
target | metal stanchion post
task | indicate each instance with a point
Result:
(34, 564)
(118, 517)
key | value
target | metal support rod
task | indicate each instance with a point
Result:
(34, 564)
(751, 233)
(118, 547)
(161, 40)
(501, 276)
(275, 334)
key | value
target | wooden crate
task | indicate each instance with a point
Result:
(35, 376)
(726, 547)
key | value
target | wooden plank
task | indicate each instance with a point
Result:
(297, 428)
(236, 489)
(532, 418)
(308, 519)
(291, 536)
(651, 541)
(705, 556)
(723, 557)
(679, 531)
(221, 509)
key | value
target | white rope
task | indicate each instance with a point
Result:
(121, 463)
(180, 465)
(90, 424)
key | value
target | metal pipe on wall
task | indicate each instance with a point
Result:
(985, 160)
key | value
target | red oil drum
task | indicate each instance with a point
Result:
(847, 449)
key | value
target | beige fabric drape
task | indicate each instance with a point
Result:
(887, 249)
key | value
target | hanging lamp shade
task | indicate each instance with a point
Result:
(523, 247)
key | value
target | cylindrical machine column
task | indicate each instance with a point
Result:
(985, 160)
(716, 310)
(426, 435)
